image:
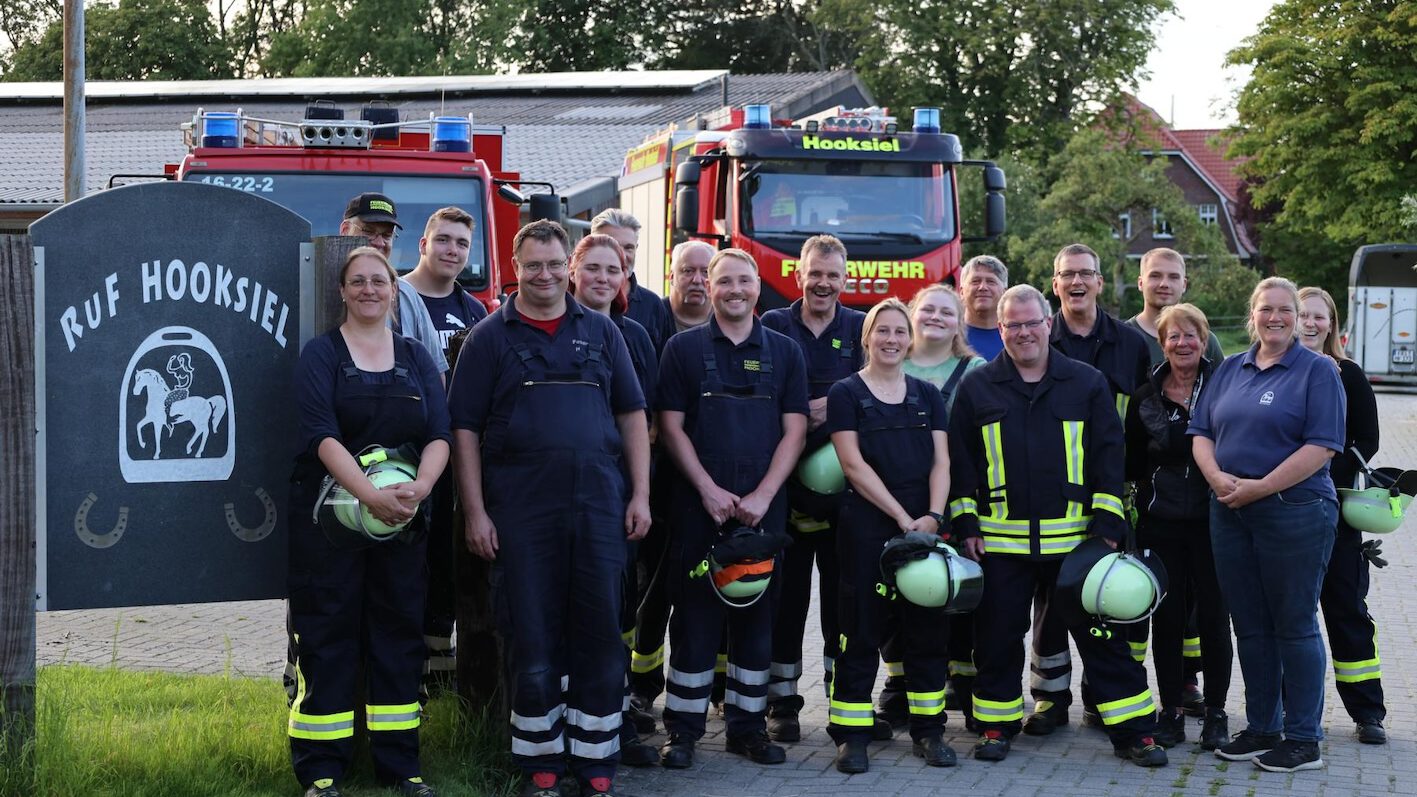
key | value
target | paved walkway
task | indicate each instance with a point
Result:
(249, 639)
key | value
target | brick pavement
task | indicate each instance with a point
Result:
(248, 639)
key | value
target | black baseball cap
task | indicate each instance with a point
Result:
(370, 206)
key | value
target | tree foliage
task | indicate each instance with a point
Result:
(1007, 76)
(749, 37)
(134, 40)
(1101, 177)
(1329, 119)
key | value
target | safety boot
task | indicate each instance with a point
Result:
(640, 714)
(1170, 729)
(935, 752)
(1215, 729)
(1047, 717)
(1192, 700)
(756, 748)
(1371, 732)
(414, 787)
(1144, 752)
(993, 745)
(677, 752)
(783, 724)
(851, 757)
(323, 787)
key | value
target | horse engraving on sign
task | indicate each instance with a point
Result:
(173, 414)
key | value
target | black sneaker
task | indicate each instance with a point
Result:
(1193, 701)
(677, 752)
(414, 787)
(992, 746)
(1144, 752)
(1215, 729)
(1247, 745)
(1371, 732)
(757, 748)
(323, 787)
(935, 752)
(1170, 729)
(640, 715)
(1047, 717)
(1288, 756)
(783, 725)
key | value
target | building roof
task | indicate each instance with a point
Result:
(1207, 148)
(566, 128)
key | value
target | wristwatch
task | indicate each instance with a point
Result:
(939, 518)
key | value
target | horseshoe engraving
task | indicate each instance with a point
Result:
(87, 536)
(257, 533)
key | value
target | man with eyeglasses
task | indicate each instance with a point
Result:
(552, 454)
(374, 216)
(686, 307)
(1036, 467)
(1084, 332)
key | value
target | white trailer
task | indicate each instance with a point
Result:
(1382, 312)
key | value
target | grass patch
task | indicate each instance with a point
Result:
(1233, 340)
(151, 734)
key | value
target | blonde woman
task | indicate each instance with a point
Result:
(939, 353)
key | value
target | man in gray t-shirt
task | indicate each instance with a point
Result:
(1163, 282)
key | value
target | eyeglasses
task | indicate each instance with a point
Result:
(553, 266)
(358, 283)
(1015, 326)
(1083, 274)
(388, 235)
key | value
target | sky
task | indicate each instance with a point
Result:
(1187, 67)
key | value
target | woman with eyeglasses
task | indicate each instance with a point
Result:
(357, 605)
(1263, 435)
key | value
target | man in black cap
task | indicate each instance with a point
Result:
(374, 216)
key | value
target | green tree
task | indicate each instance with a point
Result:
(583, 35)
(1006, 76)
(1329, 121)
(1100, 177)
(341, 38)
(749, 37)
(134, 40)
(22, 22)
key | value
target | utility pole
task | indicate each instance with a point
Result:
(74, 162)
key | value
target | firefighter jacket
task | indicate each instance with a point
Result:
(1113, 348)
(1035, 468)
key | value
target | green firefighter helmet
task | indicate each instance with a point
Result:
(1376, 510)
(347, 522)
(821, 472)
(928, 572)
(739, 566)
(1097, 583)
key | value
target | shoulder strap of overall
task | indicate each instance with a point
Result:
(957, 374)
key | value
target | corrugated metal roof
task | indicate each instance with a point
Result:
(564, 138)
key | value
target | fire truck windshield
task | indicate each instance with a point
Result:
(321, 198)
(850, 199)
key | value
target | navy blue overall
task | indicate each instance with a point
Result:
(556, 493)
(833, 356)
(349, 606)
(897, 443)
(735, 432)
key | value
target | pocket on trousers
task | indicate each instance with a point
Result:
(1293, 497)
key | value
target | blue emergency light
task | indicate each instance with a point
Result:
(757, 117)
(221, 129)
(452, 134)
(927, 120)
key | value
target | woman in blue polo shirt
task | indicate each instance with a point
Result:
(1262, 435)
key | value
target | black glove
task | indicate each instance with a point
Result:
(1372, 551)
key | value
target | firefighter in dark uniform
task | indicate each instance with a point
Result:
(1086, 333)
(732, 404)
(549, 426)
(1036, 467)
(889, 433)
(357, 386)
(685, 307)
(830, 338)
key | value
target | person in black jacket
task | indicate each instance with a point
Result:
(1174, 521)
(1352, 636)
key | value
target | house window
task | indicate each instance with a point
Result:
(1123, 230)
(1160, 227)
(1208, 213)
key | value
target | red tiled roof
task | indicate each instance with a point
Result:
(1207, 150)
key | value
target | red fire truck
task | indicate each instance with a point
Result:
(763, 185)
(315, 165)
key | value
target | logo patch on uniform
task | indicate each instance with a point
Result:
(751, 365)
(1268, 398)
(836, 343)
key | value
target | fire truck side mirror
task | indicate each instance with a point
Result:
(546, 206)
(510, 194)
(687, 174)
(994, 179)
(686, 197)
(993, 214)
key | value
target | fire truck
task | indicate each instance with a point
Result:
(313, 166)
(748, 181)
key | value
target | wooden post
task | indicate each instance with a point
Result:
(17, 497)
(330, 252)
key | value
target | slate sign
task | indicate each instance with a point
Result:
(168, 323)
